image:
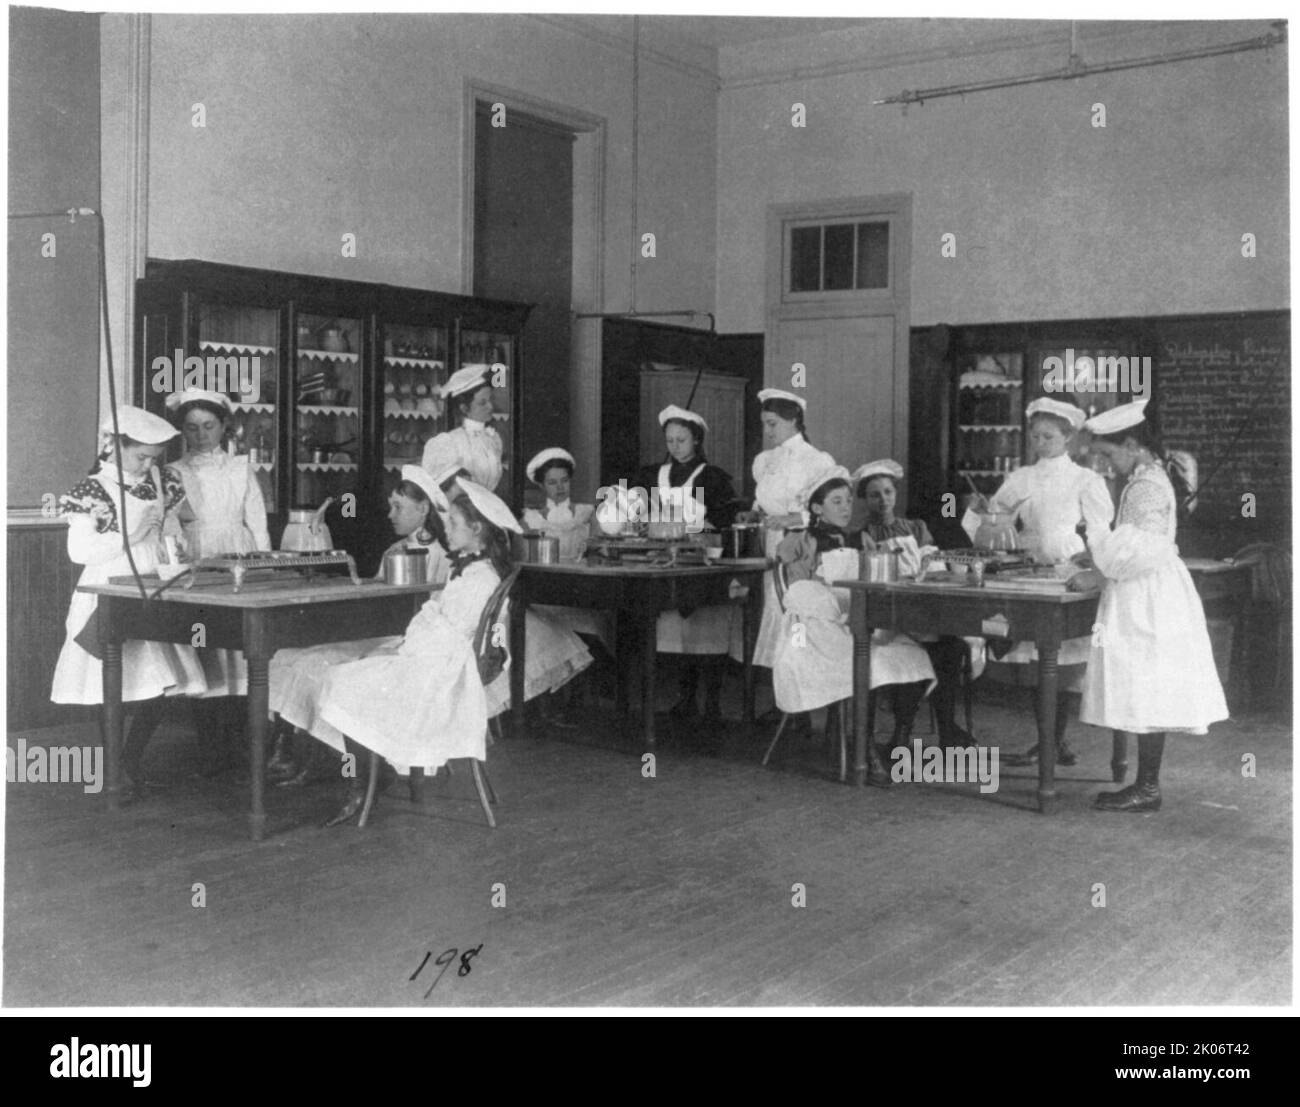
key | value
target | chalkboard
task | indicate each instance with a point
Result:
(1224, 394)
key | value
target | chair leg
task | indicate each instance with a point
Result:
(967, 690)
(1118, 755)
(480, 770)
(785, 718)
(416, 785)
(871, 716)
(494, 730)
(371, 786)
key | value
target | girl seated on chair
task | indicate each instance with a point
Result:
(416, 701)
(815, 667)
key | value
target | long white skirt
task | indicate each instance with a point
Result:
(1151, 667)
(814, 652)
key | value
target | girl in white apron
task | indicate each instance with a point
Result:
(1051, 498)
(782, 475)
(555, 655)
(413, 511)
(223, 513)
(814, 649)
(418, 701)
(690, 490)
(1150, 667)
(150, 670)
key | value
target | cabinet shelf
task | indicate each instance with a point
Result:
(999, 428)
(398, 462)
(325, 409)
(410, 415)
(234, 347)
(415, 362)
(330, 355)
(256, 409)
(326, 466)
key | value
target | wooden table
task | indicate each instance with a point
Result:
(266, 615)
(1046, 619)
(636, 592)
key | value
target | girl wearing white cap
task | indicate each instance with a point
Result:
(551, 470)
(415, 509)
(1150, 667)
(223, 513)
(149, 669)
(474, 445)
(877, 486)
(418, 701)
(782, 473)
(706, 632)
(1053, 498)
(815, 669)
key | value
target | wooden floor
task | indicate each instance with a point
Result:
(619, 889)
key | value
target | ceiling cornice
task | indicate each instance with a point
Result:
(576, 25)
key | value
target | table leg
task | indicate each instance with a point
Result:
(861, 690)
(649, 652)
(622, 667)
(1047, 683)
(111, 717)
(519, 650)
(258, 708)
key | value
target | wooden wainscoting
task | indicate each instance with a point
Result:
(40, 583)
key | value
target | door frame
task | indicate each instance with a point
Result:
(895, 301)
(588, 276)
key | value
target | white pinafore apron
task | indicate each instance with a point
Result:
(149, 669)
(706, 630)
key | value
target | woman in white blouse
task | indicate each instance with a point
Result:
(474, 445)
(223, 513)
(1052, 498)
(782, 472)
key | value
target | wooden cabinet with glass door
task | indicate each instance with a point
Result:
(347, 387)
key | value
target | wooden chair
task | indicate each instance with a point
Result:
(838, 711)
(491, 617)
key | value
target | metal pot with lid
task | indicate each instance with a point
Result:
(743, 540)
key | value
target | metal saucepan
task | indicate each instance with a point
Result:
(534, 548)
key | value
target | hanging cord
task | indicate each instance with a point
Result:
(112, 404)
(72, 214)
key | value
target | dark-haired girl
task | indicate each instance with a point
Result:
(1150, 668)
(682, 481)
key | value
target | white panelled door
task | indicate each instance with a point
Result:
(853, 406)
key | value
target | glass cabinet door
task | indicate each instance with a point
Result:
(415, 369)
(498, 351)
(327, 390)
(242, 343)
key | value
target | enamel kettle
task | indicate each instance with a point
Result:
(306, 531)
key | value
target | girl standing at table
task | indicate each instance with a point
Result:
(1053, 498)
(150, 670)
(816, 668)
(223, 513)
(877, 485)
(418, 701)
(782, 474)
(1150, 667)
(555, 654)
(708, 633)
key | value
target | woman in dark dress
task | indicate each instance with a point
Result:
(682, 482)
(877, 485)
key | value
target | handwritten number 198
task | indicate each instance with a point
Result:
(445, 958)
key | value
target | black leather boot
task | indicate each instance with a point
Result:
(688, 683)
(282, 765)
(1144, 795)
(877, 771)
(356, 797)
(145, 717)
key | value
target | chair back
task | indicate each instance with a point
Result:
(781, 583)
(490, 661)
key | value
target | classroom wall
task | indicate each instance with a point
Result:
(1054, 218)
(318, 126)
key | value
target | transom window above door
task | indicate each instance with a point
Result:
(843, 255)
